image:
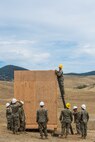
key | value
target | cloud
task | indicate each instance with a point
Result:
(41, 57)
(88, 49)
(85, 50)
(26, 53)
(37, 34)
(22, 51)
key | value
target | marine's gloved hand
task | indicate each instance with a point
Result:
(55, 71)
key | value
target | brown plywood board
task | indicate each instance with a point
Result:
(33, 87)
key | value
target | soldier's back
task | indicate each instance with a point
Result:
(84, 116)
(15, 108)
(8, 111)
(76, 116)
(42, 115)
(60, 75)
(67, 115)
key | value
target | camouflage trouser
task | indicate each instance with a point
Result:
(84, 129)
(71, 130)
(15, 123)
(65, 126)
(78, 129)
(43, 129)
(61, 86)
(9, 122)
(22, 125)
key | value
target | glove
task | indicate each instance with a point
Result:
(55, 71)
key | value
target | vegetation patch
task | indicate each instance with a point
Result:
(82, 86)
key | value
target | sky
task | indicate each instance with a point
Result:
(41, 34)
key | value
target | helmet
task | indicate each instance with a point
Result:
(14, 101)
(22, 102)
(75, 107)
(7, 104)
(60, 66)
(42, 103)
(68, 105)
(83, 106)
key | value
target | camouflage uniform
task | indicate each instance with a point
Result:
(60, 79)
(42, 119)
(15, 117)
(77, 121)
(66, 119)
(9, 117)
(21, 117)
(83, 120)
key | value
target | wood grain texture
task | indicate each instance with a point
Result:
(33, 87)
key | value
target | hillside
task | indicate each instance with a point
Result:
(7, 72)
(82, 74)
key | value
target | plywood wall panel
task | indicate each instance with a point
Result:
(33, 87)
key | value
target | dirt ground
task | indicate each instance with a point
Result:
(72, 95)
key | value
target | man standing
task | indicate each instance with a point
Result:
(42, 119)
(66, 118)
(76, 115)
(84, 120)
(60, 79)
(9, 116)
(15, 116)
(21, 116)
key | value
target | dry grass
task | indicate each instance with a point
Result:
(72, 95)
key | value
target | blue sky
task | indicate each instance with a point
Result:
(41, 34)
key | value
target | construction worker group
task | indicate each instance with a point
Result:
(16, 119)
(66, 117)
(16, 116)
